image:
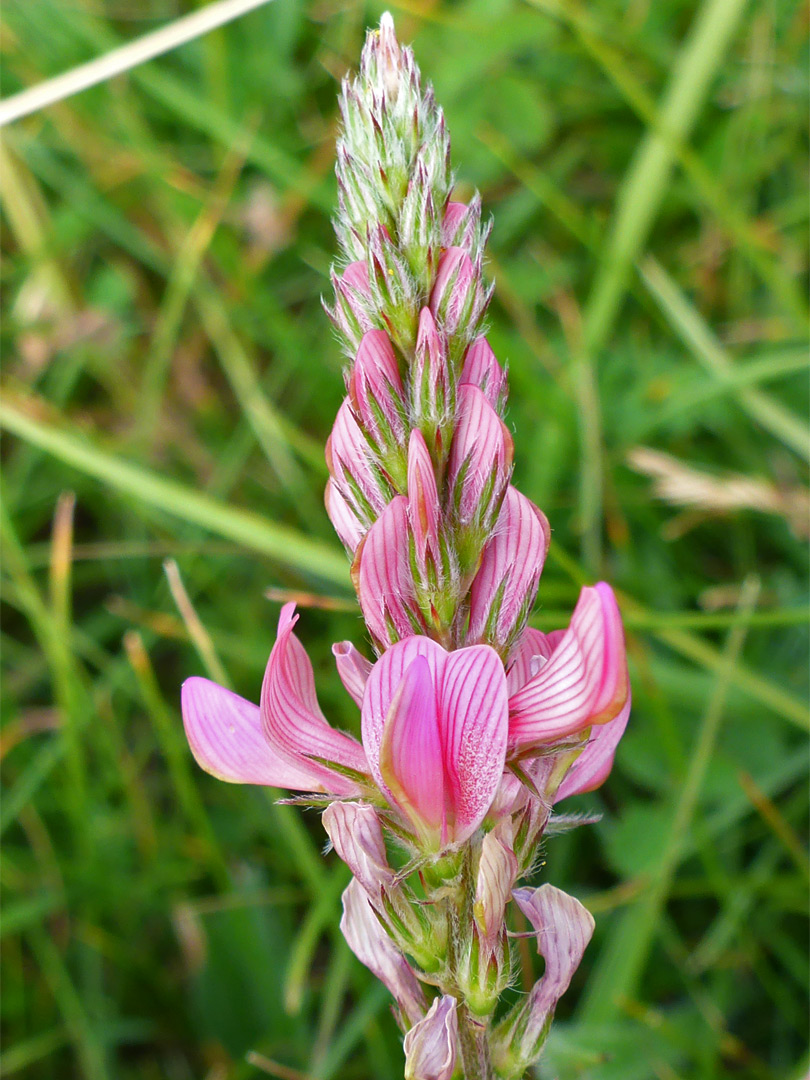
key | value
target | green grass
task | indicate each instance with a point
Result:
(166, 360)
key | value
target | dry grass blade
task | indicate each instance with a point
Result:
(683, 485)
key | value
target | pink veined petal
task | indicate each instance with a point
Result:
(585, 680)
(348, 460)
(564, 927)
(592, 767)
(383, 683)
(353, 669)
(372, 947)
(474, 723)
(455, 213)
(497, 870)
(482, 369)
(291, 717)
(528, 656)
(344, 520)
(355, 832)
(411, 754)
(385, 586)
(506, 583)
(430, 1045)
(376, 385)
(423, 498)
(226, 738)
(481, 452)
(356, 277)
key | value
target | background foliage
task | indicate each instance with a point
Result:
(169, 382)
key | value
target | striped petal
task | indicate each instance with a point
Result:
(480, 459)
(504, 588)
(226, 738)
(372, 947)
(528, 656)
(473, 714)
(592, 767)
(411, 763)
(344, 520)
(482, 369)
(430, 1045)
(450, 774)
(292, 719)
(375, 388)
(353, 669)
(564, 928)
(385, 586)
(584, 681)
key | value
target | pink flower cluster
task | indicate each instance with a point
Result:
(473, 724)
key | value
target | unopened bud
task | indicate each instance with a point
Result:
(355, 832)
(430, 1045)
(481, 369)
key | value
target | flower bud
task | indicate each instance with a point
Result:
(430, 1045)
(503, 592)
(356, 835)
(357, 478)
(424, 512)
(433, 395)
(479, 467)
(419, 230)
(383, 577)
(481, 369)
(344, 520)
(497, 871)
(372, 946)
(377, 396)
(458, 300)
(353, 313)
(462, 227)
(395, 293)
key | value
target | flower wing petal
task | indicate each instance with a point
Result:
(293, 722)
(584, 682)
(226, 738)
(593, 765)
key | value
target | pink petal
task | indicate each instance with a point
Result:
(383, 683)
(473, 717)
(504, 588)
(585, 680)
(376, 389)
(372, 947)
(349, 460)
(430, 1045)
(532, 649)
(424, 512)
(411, 754)
(385, 586)
(226, 738)
(471, 707)
(480, 458)
(353, 669)
(593, 765)
(482, 369)
(564, 928)
(344, 520)
(355, 832)
(292, 719)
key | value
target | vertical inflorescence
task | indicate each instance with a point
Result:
(473, 724)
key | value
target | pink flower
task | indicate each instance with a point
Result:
(362, 489)
(435, 730)
(569, 680)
